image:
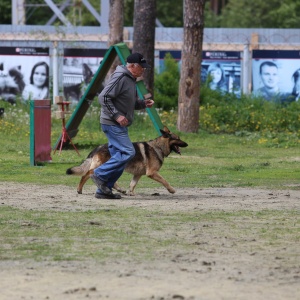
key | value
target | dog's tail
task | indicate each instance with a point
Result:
(80, 170)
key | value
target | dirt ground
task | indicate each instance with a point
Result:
(229, 272)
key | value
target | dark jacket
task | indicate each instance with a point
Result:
(119, 97)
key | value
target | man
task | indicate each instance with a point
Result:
(269, 76)
(118, 101)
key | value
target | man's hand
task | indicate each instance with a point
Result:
(149, 102)
(122, 121)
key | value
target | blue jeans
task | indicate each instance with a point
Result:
(121, 150)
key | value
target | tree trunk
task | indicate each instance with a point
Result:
(189, 86)
(144, 36)
(116, 23)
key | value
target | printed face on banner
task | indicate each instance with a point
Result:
(275, 75)
(79, 68)
(216, 75)
(24, 73)
(269, 77)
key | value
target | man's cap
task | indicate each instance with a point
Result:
(137, 58)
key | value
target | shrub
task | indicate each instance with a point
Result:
(166, 84)
(226, 113)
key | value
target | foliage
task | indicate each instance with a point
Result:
(166, 84)
(211, 20)
(236, 14)
(39, 13)
(174, 19)
(87, 18)
(267, 14)
(5, 11)
(163, 9)
(128, 12)
(227, 113)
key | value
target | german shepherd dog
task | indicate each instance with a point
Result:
(148, 160)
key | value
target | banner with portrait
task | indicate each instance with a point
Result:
(24, 73)
(79, 67)
(221, 69)
(276, 75)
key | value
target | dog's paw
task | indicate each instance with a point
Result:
(171, 190)
(130, 193)
(120, 191)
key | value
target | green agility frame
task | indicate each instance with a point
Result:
(83, 105)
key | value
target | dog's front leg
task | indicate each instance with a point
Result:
(157, 177)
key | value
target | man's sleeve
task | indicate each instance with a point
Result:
(109, 93)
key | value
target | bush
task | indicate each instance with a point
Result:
(166, 84)
(227, 113)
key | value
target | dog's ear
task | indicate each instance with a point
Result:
(166, 129)
(87, 73)
(164, 133)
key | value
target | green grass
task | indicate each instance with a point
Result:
(210, 160)
(114, 233)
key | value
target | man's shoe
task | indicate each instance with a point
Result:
(101, 185)
(107, 196)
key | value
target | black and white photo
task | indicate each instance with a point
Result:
(274, 75)
(79, 67)
(24, 73)
(220, 69)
